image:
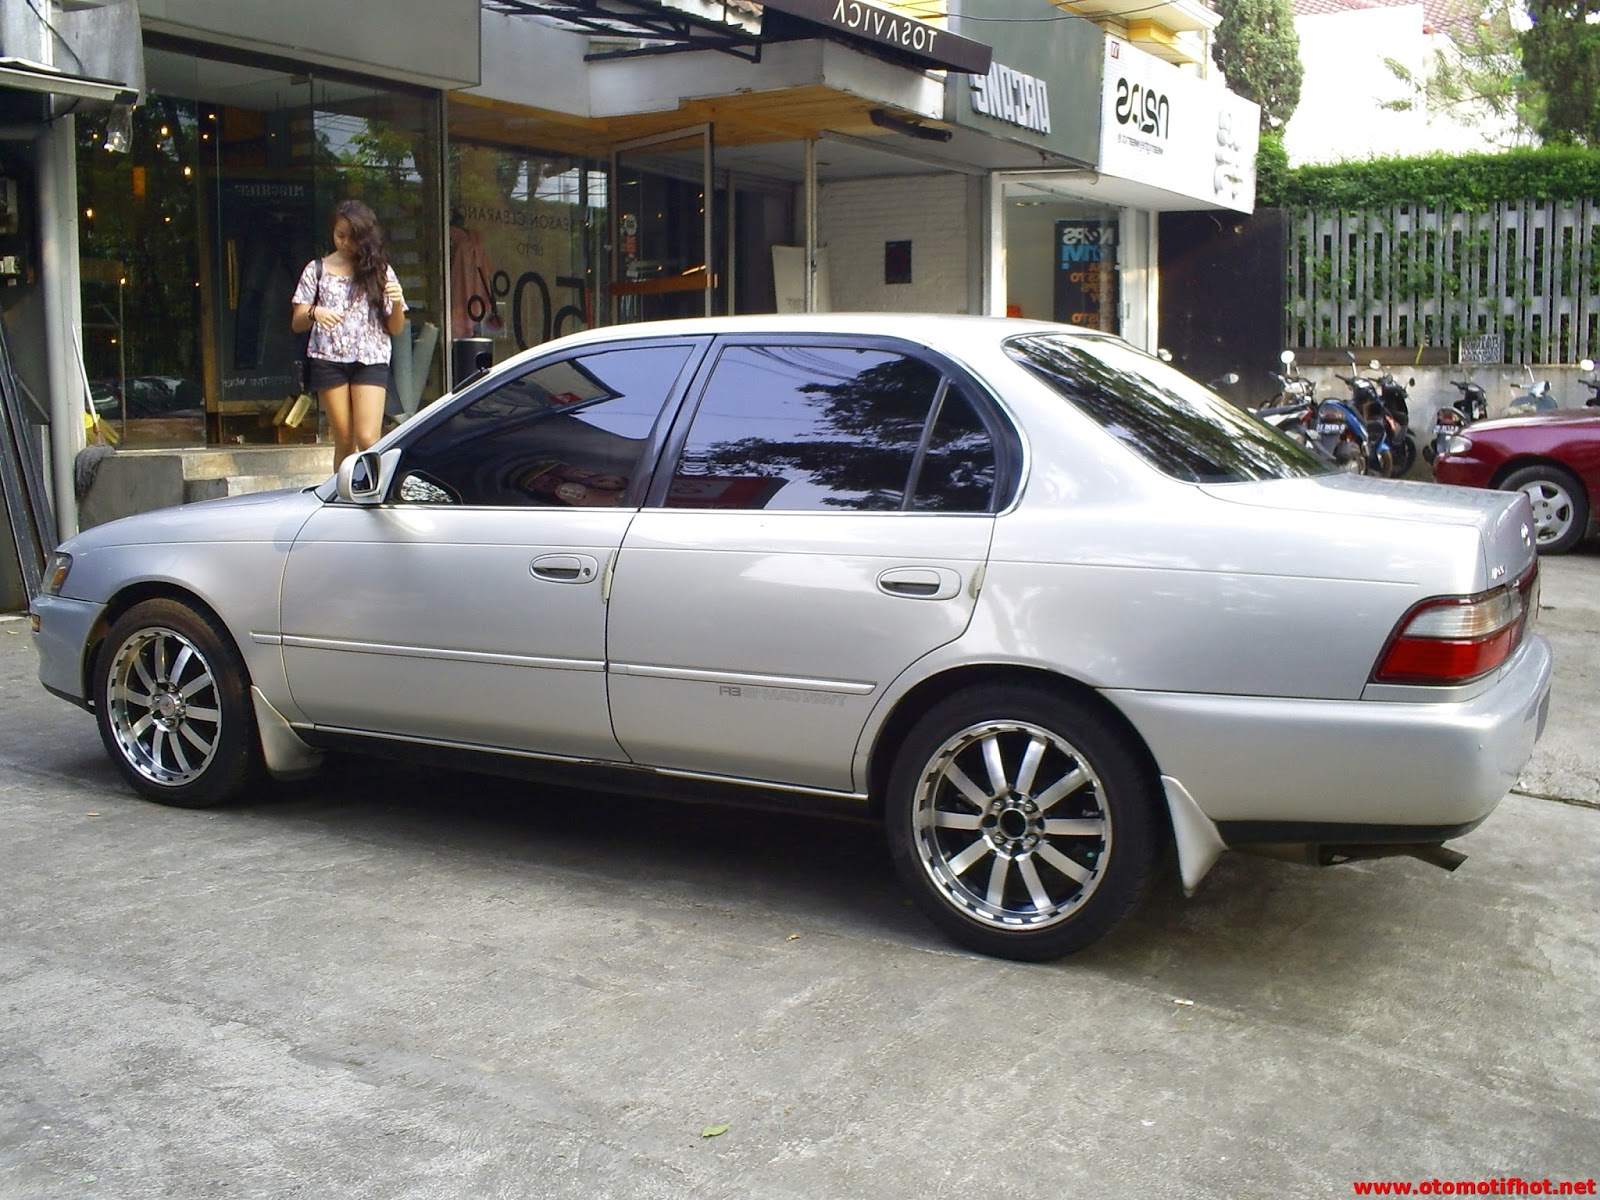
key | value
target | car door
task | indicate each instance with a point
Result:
(823, 526)
(469, 606)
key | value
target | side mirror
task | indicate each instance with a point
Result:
(1287, 358)
(1374, 365)
(1411, 382)
(364, 478)
(1351, 355)
(1587, 364)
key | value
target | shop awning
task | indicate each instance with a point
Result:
(742, 27)
(24, 76)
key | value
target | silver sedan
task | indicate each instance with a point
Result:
(1033, 598)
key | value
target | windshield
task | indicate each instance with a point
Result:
(1173, 423)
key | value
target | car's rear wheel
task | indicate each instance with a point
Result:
(1022, 821)
(1560, 506)
(173, 703)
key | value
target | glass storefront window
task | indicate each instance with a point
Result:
(528, 260)
(1063, 261)
(191, 242)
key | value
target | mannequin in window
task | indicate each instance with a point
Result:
(470, 273)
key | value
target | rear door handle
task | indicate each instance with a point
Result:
(565, 568)
(920, 583)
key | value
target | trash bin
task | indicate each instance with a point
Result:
(470, 354)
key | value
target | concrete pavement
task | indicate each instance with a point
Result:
(392, 983)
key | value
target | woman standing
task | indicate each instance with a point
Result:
(351, 306)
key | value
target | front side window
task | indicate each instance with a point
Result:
(822, 428)
(1158, 412)
(570, 433)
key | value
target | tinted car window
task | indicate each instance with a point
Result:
(568, 433)
(958, 469)
(805, 427)
(1169, 420)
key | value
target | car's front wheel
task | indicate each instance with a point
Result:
(1022, 821)
(1560, 506)
(173, 703)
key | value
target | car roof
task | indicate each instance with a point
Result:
(931, 328)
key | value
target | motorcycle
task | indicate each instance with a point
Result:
(1472, 405)
(1397, 415)
(1295, 415)
(1592, 384)
(1367, 402)
(1536, 397)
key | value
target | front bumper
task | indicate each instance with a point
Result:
(62, 641)
(1368, 770)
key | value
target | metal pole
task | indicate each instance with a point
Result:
(811, 224)
(58, 279)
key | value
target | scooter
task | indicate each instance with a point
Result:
(1535, 398)
(1366, 401)
(1472, 405)
(1593, 385)
(1294, 413)
(1397, 414)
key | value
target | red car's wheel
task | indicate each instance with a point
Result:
(1560, 506)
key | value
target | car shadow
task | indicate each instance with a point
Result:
(1258, 931)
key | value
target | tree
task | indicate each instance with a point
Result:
(1561, 56)
(1258, 51)
(1477, 73)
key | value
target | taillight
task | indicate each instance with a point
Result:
(1459, 638)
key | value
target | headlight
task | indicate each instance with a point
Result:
(60, 564)
(1460, 444)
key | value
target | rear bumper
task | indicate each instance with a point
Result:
(64, 627)
(1360, 770)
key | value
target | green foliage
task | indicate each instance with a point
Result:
(1467, 181)
(1272, 167)
(1561, 54)
(1479, 73)
(1258, 51)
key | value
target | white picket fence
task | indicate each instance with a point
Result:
(1418, 276)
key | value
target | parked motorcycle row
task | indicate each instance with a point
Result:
(1368, 433)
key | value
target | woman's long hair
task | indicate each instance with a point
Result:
(372, 256)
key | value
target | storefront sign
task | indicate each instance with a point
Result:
(1174, 131)
(1013, 97)
(1042, 91)
(937, 48)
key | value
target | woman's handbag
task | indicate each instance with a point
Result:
(299, 383)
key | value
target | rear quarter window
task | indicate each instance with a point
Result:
(1173, 423)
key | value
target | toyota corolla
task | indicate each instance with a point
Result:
(1017, 591)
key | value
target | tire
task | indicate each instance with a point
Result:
(975, 790)
(1560, 506)
(1405, 457)
(172, 698)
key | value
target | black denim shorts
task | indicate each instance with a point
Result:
(322, 375)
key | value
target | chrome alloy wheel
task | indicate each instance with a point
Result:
(163, 707)
(1009, 824)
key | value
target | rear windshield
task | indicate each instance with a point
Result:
(1173, 423)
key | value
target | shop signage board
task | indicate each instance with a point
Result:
(929, 45)
(1163, 127)
(1042, 89)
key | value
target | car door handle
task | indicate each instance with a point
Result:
(920, 583)
(565, 568)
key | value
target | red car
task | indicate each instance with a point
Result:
(1552, 456)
